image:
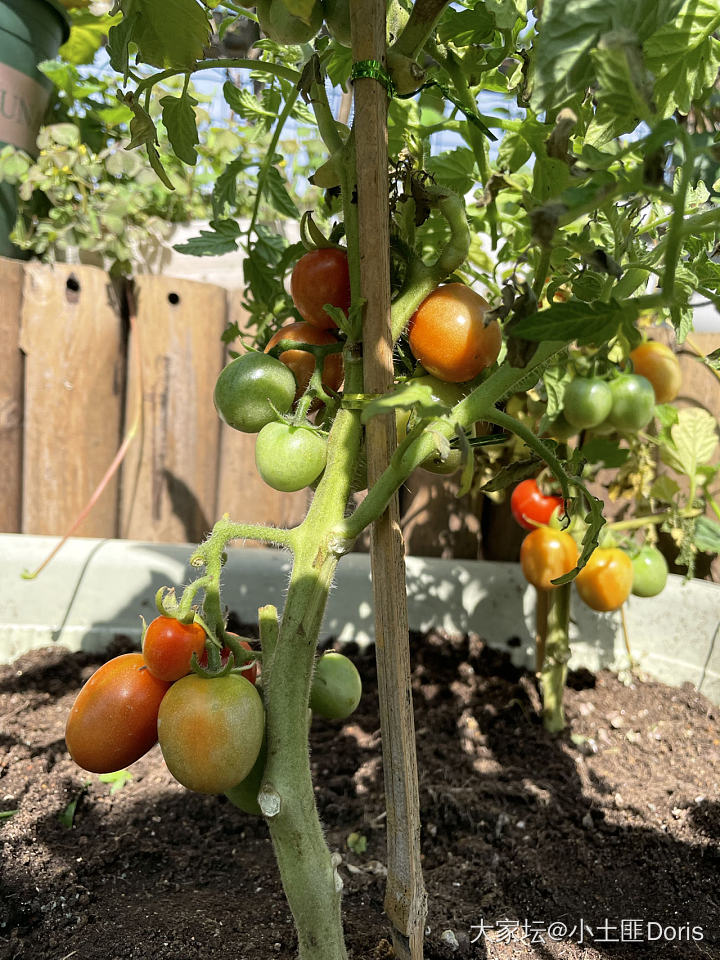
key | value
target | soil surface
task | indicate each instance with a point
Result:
(601, 843)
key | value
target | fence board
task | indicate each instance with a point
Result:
(11, 396)
(241, 492)
(72, 337)
(435, 522)
(168, 488)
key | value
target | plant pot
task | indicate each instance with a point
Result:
(30, 31)
(95, 590)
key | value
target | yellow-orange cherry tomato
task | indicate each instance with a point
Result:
(658, 364)
(547, 554)
(168, 646)
(449, 336)
(605, 582)
(113, 721)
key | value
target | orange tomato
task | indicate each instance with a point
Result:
(449, 336)
(547, 554)
(302, 363)
(113, 721)
(319, 277)
(605, 582)
(168, 646)
(658, 364)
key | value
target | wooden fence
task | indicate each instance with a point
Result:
(69, 391)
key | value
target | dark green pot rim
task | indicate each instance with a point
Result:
(64, 18)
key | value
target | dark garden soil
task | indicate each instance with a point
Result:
(618, 822)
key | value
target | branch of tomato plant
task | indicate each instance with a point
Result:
(636, 523)
(677, 222)
(420, 24)
(222, 63)
(267, 163)
(134, 428)
(557, 653)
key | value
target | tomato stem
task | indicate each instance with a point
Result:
(557, 653)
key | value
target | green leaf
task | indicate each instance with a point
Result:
(556, 380)
(156, 164)
(245, 104)
(466, 27)
(586, 323)
(117, 780)
(225, 190)
(273, 186)
(513, 152)
(713, 359)
(605, 451)
(407, 396)
(87, 35)
(707, 535)
(684, 56)
(142, 128)
(664, 488)
(178, 115)
(693, 440)
(453, 169)
(212, 243)
(511, 474)
(167, 33)
(624, 82)
(507, 12)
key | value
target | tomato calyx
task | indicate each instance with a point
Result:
(312, 237)
(230, 654)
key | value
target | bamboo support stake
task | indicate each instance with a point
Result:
(405, 898)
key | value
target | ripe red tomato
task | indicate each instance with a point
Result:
(529, 503)
(302, 363)
(210, 731)
(547, 554)
(113, 721)
(319, 277)
(658, 364)
(252, 669)
(168, 646)
(605, 582)
(449, 336)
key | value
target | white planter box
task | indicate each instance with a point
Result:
(96, 589)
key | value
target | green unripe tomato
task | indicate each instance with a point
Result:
(289, 458)
(560, 429)
(633, 402)
(280, 25)
(336, 687)
(587, 402)
(447, 393)
(249, 387)
(244, 794)
(650, 572)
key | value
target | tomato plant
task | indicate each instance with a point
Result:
(289, 458)
(318, 278)
(113, 721)
(449, 335)
(336, 688)
(606, 580)
(530, 506)
(210, 731)
(250, 389)
(546, 555)
(405, 420)
(587, 402)
(168, 646)
(587, 222)
(658, 364)
(302, 363)
(650, 572)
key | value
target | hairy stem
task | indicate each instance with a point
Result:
(557, 653)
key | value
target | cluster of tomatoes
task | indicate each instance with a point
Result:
(258, 392)
(627, 402)
(610, 575)
(210, 728)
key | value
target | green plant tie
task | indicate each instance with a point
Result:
(372, 70)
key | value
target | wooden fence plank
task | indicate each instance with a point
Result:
(72, 338)
(435, 522)
(241, 491)
(168, 488)
(11, 396)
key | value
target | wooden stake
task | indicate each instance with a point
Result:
(405, 898)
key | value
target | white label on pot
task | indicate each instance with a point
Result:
(22, 105)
